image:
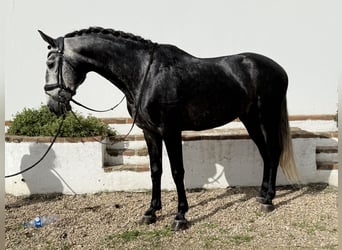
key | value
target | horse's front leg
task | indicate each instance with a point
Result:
(154, 145)
(173, 143)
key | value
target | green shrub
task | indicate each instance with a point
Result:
(41, 122)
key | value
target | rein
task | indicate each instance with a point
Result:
(138, 103)
(62, 99)
(95, 110)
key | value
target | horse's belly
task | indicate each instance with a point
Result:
(206, 116)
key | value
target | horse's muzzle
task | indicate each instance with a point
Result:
(59, 104)
(59, 99)
(58, 108)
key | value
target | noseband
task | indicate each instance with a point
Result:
(65, 93)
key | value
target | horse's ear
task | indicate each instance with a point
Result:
(48, 39)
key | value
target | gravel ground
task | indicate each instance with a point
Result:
(304, 218)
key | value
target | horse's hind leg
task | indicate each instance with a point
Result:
(154, 145)
(264, 132)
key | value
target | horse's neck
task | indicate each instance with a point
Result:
(121, 64)
(124, 68)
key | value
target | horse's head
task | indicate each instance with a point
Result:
(63, 75)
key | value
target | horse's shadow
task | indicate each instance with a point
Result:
(248, 194)
(251, 193)
(310, 189)
(206, 163)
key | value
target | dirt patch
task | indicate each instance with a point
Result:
(230, 218)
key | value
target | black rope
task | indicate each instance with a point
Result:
(137, 107)
(43, 156)
(61, 124)
(95, 110)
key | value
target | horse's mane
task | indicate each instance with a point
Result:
(115, 33)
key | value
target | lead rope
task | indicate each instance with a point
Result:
(64, 115)
(43, 156)
(95, 110)
(105, 143)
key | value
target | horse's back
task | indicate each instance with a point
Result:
(249, 70)
(202, 93)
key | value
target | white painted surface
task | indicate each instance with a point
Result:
(307, 125)
(301, 35)
(68, 167)
(315, 125)
(217, 164)
(78, 167)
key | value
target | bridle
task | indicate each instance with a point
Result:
(65, 93)
(63, 99)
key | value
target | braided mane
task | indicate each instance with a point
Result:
(115, 33)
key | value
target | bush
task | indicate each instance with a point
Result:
(41, 122)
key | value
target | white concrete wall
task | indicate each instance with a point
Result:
(307, 125)
(303, 36)
(78, 167)
(67, 168)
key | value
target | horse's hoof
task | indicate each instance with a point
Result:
(260, 199)
(266, 208)
(148, 219)
(179, 225)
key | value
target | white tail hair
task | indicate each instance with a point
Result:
(287, 162)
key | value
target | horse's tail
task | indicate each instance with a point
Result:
(287, 162)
